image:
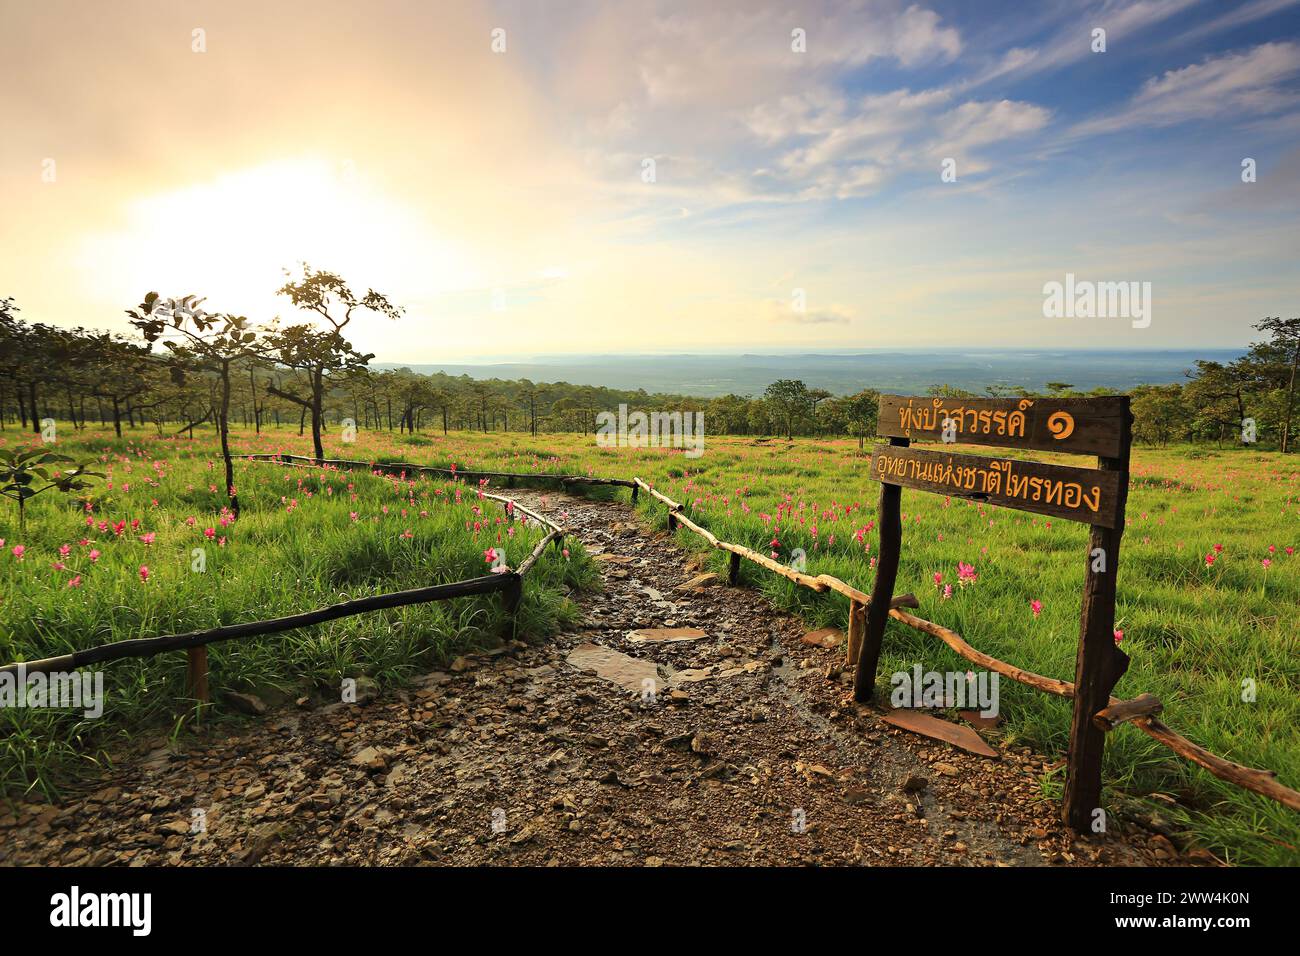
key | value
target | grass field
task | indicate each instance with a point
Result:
(1195, 630)
(128, 568)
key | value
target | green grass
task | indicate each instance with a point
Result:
(1194, 633)
(305, 538)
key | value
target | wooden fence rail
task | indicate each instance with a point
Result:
(195, 643)
(1263, 782)
(1140, 712)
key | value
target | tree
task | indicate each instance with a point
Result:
(1160, 413)
(863, 413)
(319, 350)
(200, 340)
(116, 370)
(1273, 365)
(20, 471)
(1218, 393)
(790, 404)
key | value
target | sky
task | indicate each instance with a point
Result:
(574, 177)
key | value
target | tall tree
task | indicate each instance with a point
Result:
(202, 340)
(790, 404)
(318, 348)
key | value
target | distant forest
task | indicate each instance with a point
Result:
(221, 369)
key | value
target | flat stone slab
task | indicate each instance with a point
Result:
(955, 734)
(693, 675)
(829, 637)
(629, 673)
(665, 635)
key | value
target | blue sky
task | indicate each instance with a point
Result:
(796, 201)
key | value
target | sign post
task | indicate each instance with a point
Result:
(1097, 497)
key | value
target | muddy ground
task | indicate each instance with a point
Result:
(749, 752)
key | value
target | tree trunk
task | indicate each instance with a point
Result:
(225, 437)
(1290, 401)
(317, 403)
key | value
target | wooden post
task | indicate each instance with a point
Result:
(513, 595)
(1099, 664)
(882, 591)
(733, 572)
(672, 520)
(635, 489)
(857, 620)
(197, 674)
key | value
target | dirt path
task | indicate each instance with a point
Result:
(749, 753)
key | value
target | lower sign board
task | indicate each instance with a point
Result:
(1076, 494)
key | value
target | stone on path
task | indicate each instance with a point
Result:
(828, 637)
(628, 672)
(665, 635)
(955, 734)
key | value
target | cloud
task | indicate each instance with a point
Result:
(1231, 85)
(781, 311)
(839, 150)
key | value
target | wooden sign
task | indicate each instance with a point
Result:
(1100, 426)
(1076, 494)
(1080, 426)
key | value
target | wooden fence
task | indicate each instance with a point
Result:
(195, 643)
(1141, 711)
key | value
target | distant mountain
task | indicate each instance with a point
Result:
(844, 373)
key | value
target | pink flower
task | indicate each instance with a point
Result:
(147, 538)
(1290, 550)
(1218, 549)
(1119, 635)
(19, 551)
(565, 552)
(209, 533)
(144, 572)
(938, 579)
(1209, 560)
(58, 565)
(490, 555)
(65, 550)
(1036, 606)
(965, 572)
(75, 582)
(1267, 563)
(94, 554)
(947, 591)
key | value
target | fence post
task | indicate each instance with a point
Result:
(733, 571)
(514, 592)
(882, 591)
(857, 619)
(635, 488)
(197, 674)
(1098, 664)
(672, 520)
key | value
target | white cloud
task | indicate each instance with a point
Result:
(1233, 85)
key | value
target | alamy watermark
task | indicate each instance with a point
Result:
(56, 690)
(651, 430)
(1084, 299)
(942, 689)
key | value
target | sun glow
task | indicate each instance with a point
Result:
(231, 238)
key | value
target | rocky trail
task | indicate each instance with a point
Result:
(749, 752)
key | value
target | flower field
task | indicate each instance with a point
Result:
(1208, 610)
(153, 549)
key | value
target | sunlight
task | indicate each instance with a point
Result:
(238, 232)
